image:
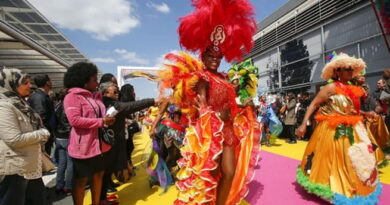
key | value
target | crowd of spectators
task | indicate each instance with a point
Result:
(68, 126)
(290, 108)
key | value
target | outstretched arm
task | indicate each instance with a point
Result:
(134, 106)
(162, 109)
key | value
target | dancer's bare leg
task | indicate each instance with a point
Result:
(228, 166)
(267, 136)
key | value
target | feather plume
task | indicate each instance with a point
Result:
(236, 17)
(182, 75)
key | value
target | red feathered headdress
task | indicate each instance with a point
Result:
(226, 25)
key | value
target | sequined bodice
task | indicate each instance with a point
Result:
(345, 101)
(338, 104)
(220, 96)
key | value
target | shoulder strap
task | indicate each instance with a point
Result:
(100, 112)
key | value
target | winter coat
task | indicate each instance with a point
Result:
(81, 108)
(290, 118)
(19, 142)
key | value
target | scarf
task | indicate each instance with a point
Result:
(10, 80)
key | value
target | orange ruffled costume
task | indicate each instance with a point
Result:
(207, 134)
(379, 135)
(339, 163)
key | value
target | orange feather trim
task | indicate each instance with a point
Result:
(357, 91)
(335, 120)
(181, 74)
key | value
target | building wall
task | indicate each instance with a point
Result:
(296, 65)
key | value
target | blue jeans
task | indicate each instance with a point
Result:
(65, 165)
(13, 190)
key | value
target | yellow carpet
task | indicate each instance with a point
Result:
(384, 175)
(138, 192)
(280, 147)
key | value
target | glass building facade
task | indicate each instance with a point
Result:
(291, 55)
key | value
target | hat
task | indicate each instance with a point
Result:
(342, 60)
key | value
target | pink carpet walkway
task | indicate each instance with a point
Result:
(275, 184)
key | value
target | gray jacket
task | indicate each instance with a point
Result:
(290, 113)
(19, 143)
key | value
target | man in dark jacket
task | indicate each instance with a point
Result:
(42, 104)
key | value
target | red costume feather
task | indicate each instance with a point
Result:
(236, 17)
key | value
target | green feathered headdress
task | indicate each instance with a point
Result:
(247, 75)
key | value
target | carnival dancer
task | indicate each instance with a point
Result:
(244, 77)
(172, 130)
(218, 159)
(262, 118)
(375, 124)
(271, 126)
(339, 164)
(167, 134)
(380, 135)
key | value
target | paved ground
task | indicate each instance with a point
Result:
(52, 197)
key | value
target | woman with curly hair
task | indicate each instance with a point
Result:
(86, 113)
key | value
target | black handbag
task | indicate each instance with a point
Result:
(106, 134)
(133, 128)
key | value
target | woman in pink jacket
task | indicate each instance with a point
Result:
(85, 112)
